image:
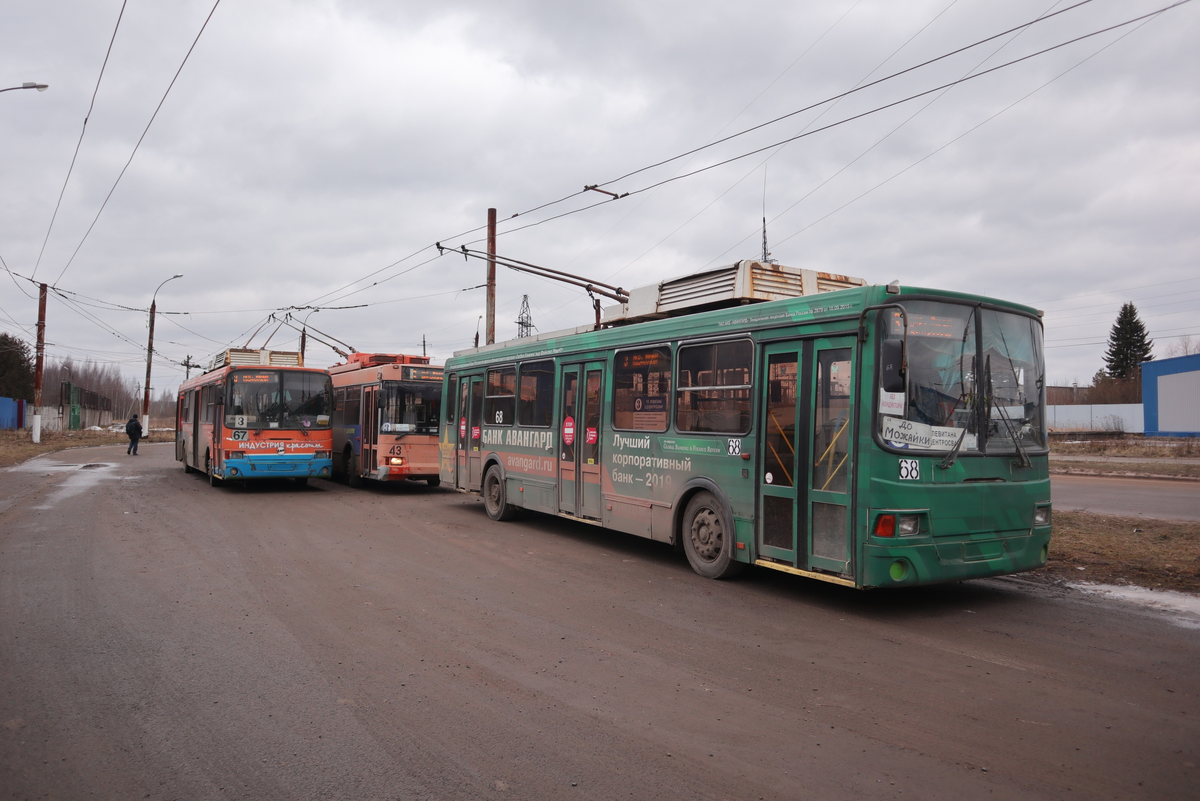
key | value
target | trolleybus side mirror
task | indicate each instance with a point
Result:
(891, 365)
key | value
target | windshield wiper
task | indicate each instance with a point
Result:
(952, 456)
(1014, 435)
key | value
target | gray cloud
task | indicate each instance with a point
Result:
(308, 144)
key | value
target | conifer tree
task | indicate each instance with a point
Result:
(16, 368)
(1128, 345)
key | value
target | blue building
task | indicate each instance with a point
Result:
(1171, 396)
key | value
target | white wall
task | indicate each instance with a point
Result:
(1178, 404)
(1125, 417)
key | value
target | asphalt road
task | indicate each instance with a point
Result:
(163, 639)
(1133, 497)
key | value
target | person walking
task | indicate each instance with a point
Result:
(134, 429)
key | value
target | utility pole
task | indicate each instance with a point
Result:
(149, 360)
(189, 364)
(37, 374)
(423, 352)
(491, 277)
(303, 343)
(150, 356)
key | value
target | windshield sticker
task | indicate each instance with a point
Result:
(918, 436)
(891, 402)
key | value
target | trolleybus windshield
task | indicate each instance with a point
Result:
(285, 399)
(975, 379)
(410, 407)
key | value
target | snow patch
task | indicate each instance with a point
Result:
(1181, 608)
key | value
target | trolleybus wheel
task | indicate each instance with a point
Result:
(433, 482)
(352, 473)
(495, 500)
(708, 538)
(213, 481)
(301, 481)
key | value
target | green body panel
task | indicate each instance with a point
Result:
(977, 515)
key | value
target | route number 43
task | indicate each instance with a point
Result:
(910, 470)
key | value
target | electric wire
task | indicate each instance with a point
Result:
(83, 131)
(139, 142)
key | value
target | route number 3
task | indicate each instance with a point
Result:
(910, 470)
(734, 447)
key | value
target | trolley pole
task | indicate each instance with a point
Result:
(491, 277)
(37, 370)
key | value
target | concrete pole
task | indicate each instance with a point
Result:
(149, 361)
(491, 277)
(37, 370)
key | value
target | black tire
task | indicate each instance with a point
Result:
(495, 497)
(302, 481)
(433, 482)
(708, 539)
(213, 481)
(353, 477)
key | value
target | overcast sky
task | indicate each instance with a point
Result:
(309, 149)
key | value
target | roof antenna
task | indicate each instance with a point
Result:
(766, 254)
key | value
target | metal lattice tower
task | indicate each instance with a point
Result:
(525, 324)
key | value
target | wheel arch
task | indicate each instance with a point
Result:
(693, 486)
(492, 460)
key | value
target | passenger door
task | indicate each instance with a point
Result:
(782, 478)
(474, 434)
(832, 432)
(581, 394)
(370, 429)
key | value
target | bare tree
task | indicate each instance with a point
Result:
(1183, 346)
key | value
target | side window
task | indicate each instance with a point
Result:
(500, 399)
(713, 394)
(642, 389)
(535, 400)
(208, 396)
(451, 390)
(353, 406)
(339, 406)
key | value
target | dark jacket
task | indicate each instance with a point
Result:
(134, 429)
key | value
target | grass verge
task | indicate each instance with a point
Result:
(17, 446)
(1138, 448)
(1159, 554)
(1153, 469)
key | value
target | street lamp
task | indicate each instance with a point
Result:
(150, 356)
(41, 87)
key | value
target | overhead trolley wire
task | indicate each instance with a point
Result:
(82, 131)
(139, 141)
(854, 90)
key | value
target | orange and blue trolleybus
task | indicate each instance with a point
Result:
(256, 414)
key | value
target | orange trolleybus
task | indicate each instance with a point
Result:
(256, 414)
(385, 417)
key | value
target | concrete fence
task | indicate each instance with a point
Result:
(1125, 417)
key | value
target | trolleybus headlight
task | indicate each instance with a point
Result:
(233, 471)
(396, 460)
(323, 454)
(908, 525)
(234, 455)
(1041, 516)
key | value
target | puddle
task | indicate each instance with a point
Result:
(1181, 608)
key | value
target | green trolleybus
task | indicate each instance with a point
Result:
(874, 436)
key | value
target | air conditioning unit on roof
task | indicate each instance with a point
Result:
(244, 357)
(735, 284)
